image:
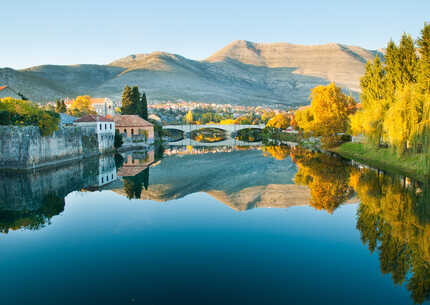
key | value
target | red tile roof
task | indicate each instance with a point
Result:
(93, 118)
(97, 100)
(2, 87)
(130, 120)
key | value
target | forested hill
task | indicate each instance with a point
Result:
(241, 73)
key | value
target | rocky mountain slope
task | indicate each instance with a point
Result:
(242, 73)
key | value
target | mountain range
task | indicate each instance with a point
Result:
(243, 72)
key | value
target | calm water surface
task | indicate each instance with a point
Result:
(271, 225)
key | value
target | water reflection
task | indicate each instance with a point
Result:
(394, 219)
(30, 200)
(393, 216)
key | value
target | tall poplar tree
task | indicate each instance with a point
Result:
(391, 61)
(144, 105)
(424, 68)
(408, 61)
(135, 97)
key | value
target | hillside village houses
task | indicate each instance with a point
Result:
(104, 128)
(103, 106)
(134, 129)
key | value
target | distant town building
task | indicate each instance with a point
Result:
(104, 106)
(104, 128)
(134, 129)
(6, 91)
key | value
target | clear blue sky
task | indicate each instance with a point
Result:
(83, 31)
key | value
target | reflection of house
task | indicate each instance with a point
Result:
(107, 170)
(6, 91)
(104, 106)
(102, 126)
(135, 162)
(134, 129)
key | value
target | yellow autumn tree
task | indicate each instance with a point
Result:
(328, 114)
(267, 115)
(280, 121)
(82, 105)
(303, 118)
(189, 117)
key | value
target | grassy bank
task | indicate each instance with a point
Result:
(385, 159)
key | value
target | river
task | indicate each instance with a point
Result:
(214, 225)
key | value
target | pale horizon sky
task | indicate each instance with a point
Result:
(98, 32)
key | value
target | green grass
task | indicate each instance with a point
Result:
(386, 159)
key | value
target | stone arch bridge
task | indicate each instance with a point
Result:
(229, 129)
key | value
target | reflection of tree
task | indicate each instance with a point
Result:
(52, 205)
(208, 135)
(133, 185)
(393, 220)
(249, 135)
(279, 152)
(326, 177)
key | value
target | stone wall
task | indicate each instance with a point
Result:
(24, 147)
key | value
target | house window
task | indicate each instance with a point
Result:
(100, 125)
(105, 126)
(110, 126)
(132, 131)
(102, 180)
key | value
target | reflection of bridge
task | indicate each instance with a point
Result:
(226, 142)
(228, 128)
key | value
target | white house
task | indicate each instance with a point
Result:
(103, 127)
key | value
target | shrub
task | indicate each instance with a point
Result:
(25, 113)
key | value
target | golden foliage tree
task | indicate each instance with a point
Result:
(280, 121)
(395, 98)
(328, 114)
(189, 117)
(82, 105)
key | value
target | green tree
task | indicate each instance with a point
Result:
(144, 104)
(127, 101)
(60, 106)
(134, 103)
(118, 139)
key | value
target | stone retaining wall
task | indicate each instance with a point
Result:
(25, 148)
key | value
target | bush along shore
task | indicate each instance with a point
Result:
(416, 166)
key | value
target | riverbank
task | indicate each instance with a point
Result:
(384, 159)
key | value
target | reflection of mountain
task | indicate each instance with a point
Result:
(264, 196)
(241, 179)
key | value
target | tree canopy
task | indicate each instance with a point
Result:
(82, 106)
(134, 103)
(396, 98)
(327, 115)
